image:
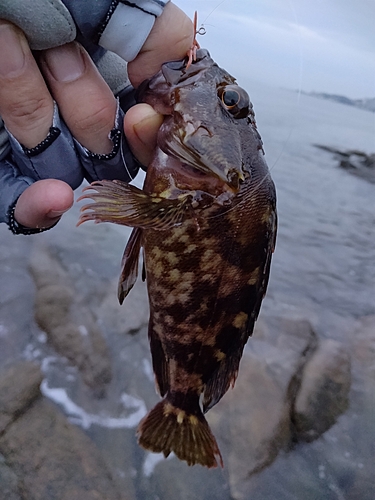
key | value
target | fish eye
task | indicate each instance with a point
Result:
(235, 100)
(230, 98)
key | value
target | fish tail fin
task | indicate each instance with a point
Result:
(167, 428)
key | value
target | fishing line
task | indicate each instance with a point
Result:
(212, 11)
(251, 192)
(300, 73)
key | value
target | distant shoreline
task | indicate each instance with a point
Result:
(368, 104)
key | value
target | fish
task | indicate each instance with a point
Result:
(206, 222)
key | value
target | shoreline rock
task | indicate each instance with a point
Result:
(355, 162)
(46, 457)
(324, 391)
(69, 323)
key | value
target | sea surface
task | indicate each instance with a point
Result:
(325, 256)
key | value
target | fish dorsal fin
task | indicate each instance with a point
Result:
(121, 203)
(129, 264)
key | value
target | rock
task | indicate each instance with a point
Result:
(252, 421)
(9, 485)
(16, 296)
(189, 483)
(46, 458)
(129, 317)
(324, 392)
(52, 306)
(55, 459)
(19, 387)
(354, 161)
(69, 323)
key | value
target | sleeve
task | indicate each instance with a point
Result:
(119, 26)
(12, 185)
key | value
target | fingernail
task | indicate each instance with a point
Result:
(65, 63)
(52, 214)
(12, 57)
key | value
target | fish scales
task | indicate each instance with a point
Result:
(206, 219)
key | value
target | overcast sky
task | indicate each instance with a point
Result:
(321, 45)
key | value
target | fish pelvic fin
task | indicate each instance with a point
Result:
(129, 264)
(125, 204)
(167, 428)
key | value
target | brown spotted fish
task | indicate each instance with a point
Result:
(206, 219)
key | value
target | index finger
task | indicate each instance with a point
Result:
(26, 105)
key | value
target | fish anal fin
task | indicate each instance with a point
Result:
(125, 204)
(223, 378)
(167, 429)
(129, 264)
(159, 362)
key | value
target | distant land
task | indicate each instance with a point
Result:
(366, 103)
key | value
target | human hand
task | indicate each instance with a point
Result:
(26, 106)
(85, 102)
(170, 39)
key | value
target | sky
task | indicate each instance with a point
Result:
(311, 45)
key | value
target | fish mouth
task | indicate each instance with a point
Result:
(177, 72)
(179, 146)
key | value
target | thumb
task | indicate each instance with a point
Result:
(42, 204)
(141, 126)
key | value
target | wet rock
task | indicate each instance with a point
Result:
(55, 459)
(9, 485)
(189, 483)
(19, 387)
(129, 317)
(16, 296)
(354, 161)
(70, 325)
(252, 422)
(324, 392)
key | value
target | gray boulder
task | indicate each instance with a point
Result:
(324, 392)
(19, 387)
(46, 456)
(68, 322)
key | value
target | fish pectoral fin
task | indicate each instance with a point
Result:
(121, 203)
(130, 264)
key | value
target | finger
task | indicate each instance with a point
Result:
(26, 105)
(43, 203)
(170, 38)
(141, 125)
(85, 100)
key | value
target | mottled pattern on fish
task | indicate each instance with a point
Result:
(206, 219)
